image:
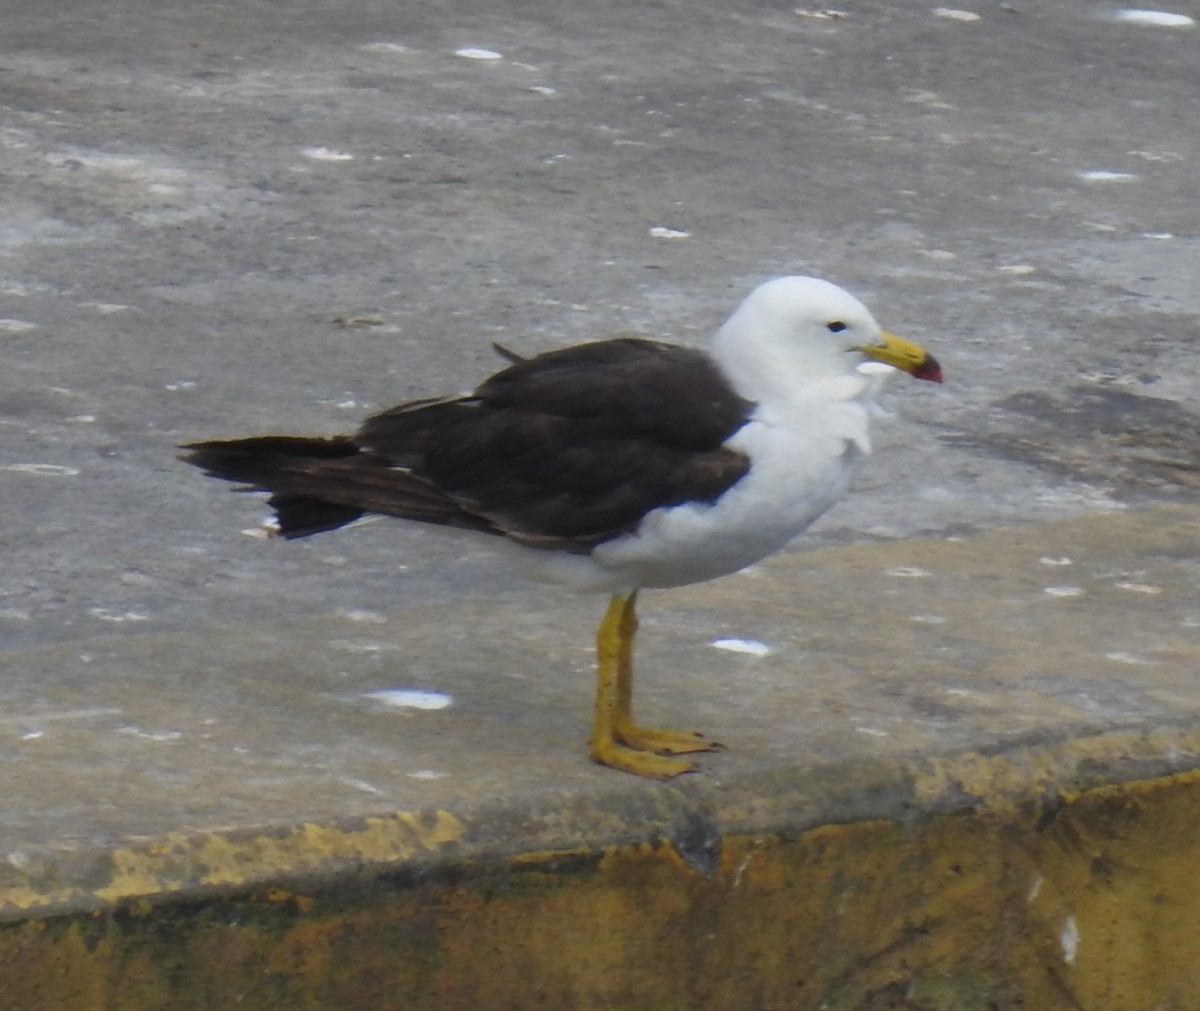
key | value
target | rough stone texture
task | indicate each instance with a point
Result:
(247, 218)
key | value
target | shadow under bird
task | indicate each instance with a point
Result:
(616, 465)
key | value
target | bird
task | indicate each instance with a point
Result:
(615, 465)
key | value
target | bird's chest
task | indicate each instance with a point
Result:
(797, 472)
(794, 477)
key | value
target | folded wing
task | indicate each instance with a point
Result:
(561, 451)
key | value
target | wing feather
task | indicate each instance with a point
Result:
(574, 447)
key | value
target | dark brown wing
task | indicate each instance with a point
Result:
(565, 450)
(574, 447)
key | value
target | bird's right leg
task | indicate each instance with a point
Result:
(616, 740)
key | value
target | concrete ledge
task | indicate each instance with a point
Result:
(1077, 902)
(945, 788)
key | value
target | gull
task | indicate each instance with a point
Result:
(616, 465)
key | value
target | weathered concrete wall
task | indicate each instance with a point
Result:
(1086, 901)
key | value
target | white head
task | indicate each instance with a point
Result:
(792, 331)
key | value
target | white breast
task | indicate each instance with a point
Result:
(802, 459)
(801, 464)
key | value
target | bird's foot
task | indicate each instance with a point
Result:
(640, 763)
(662, 742)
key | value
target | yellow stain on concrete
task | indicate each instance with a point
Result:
(1003, 779)
(302, 902)
(183, 862)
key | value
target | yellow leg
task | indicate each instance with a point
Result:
(616, 740)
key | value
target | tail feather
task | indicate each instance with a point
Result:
(254, 461)
(304, 515)
(322, 484)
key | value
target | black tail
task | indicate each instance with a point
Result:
(301, 515)
(255, 461)
(323, 484)
(275, 463)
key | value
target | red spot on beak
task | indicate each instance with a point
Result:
(928, 369)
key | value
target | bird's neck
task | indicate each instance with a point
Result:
(766, 370)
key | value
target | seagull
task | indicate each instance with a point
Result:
(616, 465)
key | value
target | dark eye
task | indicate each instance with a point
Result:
(837, 326)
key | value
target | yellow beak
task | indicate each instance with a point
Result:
(906, 356)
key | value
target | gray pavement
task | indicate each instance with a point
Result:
(247, 218)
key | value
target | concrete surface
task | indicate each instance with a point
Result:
(231, 219)
(195, 198)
